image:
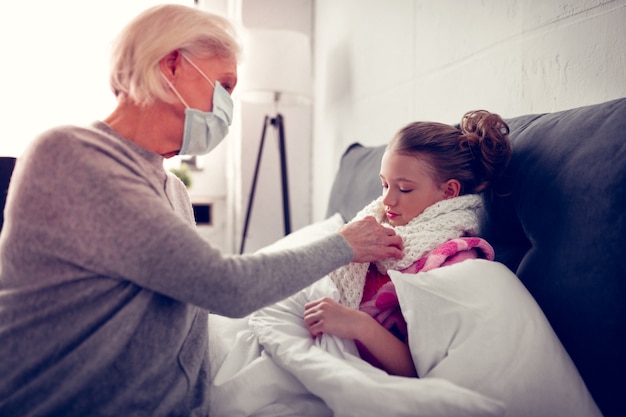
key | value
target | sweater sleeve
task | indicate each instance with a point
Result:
(94, 211)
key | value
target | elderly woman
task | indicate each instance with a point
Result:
(105, 284)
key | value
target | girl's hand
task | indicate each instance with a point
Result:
(329, 316)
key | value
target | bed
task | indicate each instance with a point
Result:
(481, 342)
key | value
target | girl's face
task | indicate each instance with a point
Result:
(408, 189)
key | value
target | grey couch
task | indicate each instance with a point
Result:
(559, 224)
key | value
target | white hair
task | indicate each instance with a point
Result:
(135, 71)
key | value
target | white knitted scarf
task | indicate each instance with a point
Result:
(444, 220)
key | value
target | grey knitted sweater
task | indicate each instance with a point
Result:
(105, 284)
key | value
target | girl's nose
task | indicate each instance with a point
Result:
(388, 198)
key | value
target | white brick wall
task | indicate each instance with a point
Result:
(381, 64)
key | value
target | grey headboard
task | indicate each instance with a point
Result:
(357, 183)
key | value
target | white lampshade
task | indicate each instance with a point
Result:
(276, 67)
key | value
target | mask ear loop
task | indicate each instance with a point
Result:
(175, 91)
(197, 69)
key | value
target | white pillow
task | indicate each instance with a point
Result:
(307, 234)
(475, 324)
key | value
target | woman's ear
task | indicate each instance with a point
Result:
(169, 64)
(451, 188)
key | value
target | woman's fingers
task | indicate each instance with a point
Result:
(371, 241)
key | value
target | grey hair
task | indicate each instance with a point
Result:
(135, 71)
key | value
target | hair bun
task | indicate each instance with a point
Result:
(487, 137)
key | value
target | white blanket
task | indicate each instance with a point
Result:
(276, 369)
(479, 341)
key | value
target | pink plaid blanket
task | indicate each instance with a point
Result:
(379, 295)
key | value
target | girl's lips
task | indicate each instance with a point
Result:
(392, 215)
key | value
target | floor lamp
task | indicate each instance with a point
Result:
(276, 70)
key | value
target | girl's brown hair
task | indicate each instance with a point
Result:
(475, 154)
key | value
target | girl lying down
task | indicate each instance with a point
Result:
(353, 343)
(431, 174)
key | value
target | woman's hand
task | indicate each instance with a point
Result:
(370, 241)
(329, 316)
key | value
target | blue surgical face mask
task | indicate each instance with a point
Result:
(205, 130)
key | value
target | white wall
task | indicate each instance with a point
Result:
(377, 66)
(266, 222)
(55, 63)
(381, 64)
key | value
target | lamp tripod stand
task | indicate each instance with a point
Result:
(278, 124)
